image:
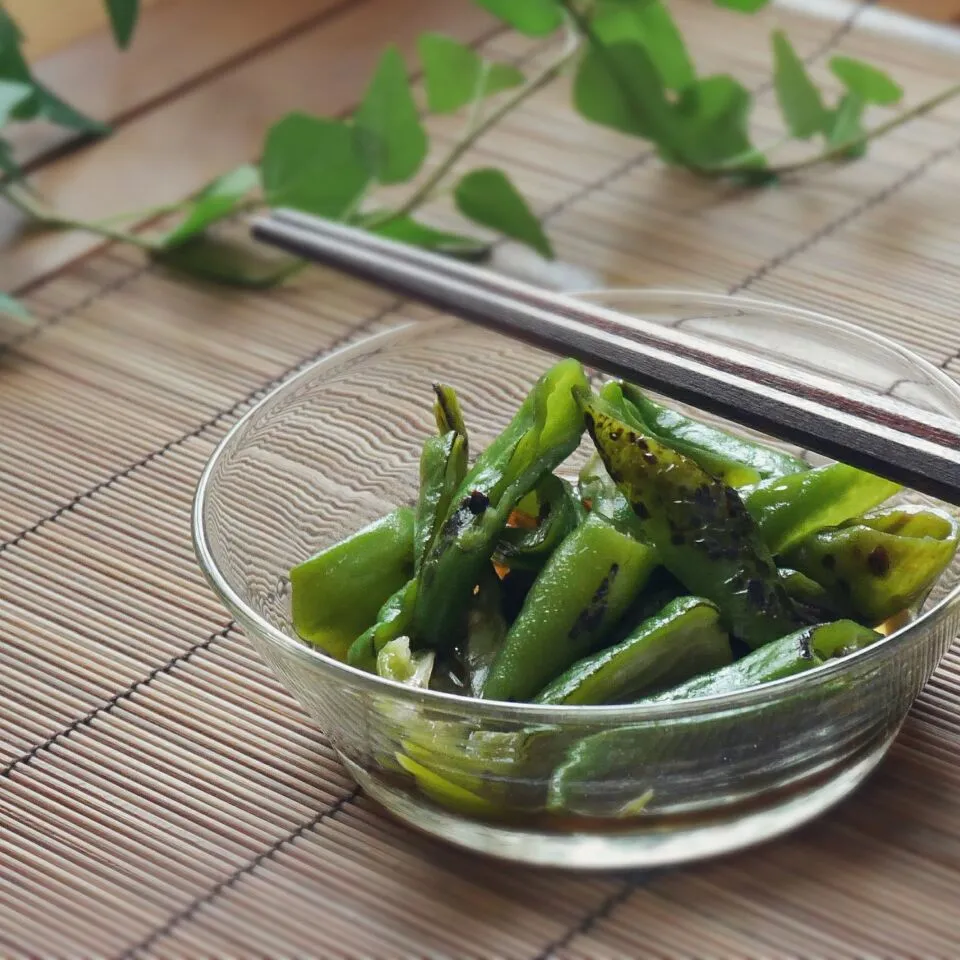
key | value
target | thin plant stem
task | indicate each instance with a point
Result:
(834, 151)
(480, 127)
(28, 203)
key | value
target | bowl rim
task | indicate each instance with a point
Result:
(761, 694)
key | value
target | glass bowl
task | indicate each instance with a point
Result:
(337, 446)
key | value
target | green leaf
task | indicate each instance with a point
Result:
(226, 261)
(487, 197)
(390, 137)
(123, 20)
(13, 308)
(217, 200)
(869, 83)
(456, 75)
(650, 25)
(800, 101)
(312, 164)
(42, 102)
(535, 18)
(846, 125)
(742, 6)
(714, 117)
(12, 94)
(407, 230)
(618, 86)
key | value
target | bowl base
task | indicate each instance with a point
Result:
(662, 844)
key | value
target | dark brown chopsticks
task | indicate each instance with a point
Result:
(887, 436)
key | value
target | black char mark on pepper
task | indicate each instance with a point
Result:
(878, 561)
(592, 614)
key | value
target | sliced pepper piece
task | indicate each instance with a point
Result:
(559, 510)
(787, 509)
(733, 459)
(810, 598)
(543, 433)
(337, 593)
(683, 640)
(799, 651)
(600, 772)
(702, 532)
(394, 620)
(396, 662)
(879, 564)
(443, 465)
(583, 590)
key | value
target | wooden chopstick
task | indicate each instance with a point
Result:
(838, 419)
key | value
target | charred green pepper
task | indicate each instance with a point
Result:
(544, 432)
(787, 509)
(559, 510)
(799, 651)
(701, 529)
(733, 459)
(443, 465)
(336, 594)
(683, 640)
(879, 564)
(585, 587)
(599, 774)
(392, 621)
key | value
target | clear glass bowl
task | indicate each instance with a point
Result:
(338, 446)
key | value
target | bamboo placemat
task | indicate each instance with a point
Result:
(162, 796)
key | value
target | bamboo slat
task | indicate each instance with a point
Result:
(163, 796)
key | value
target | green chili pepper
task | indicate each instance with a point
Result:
(336, 594)
(787, 509)
(683, 640)
(799, 651)
(599, 774)
(879, 564)
(703, 533)
(585, 587)
(600, 495)
(559, 510)
(733, 459)
(443, 465)
(396, 662)
(544, 432)
(393, 620)
(809, 597)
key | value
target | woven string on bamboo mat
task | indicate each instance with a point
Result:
(162, 795)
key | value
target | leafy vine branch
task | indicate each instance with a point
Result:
(631, 72)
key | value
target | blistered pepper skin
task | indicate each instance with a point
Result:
(336, 594)
(733, 459)
(794, 653)
(545, 431)
(701, 529)
(682, 640)
(586, 586)
(878, 565)
(596, 769)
